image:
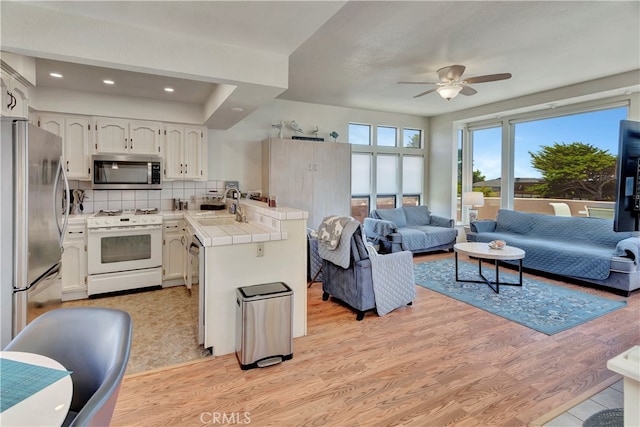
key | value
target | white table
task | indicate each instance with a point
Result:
(482, 251)
(49, 406)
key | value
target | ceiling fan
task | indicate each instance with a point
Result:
(451, 83)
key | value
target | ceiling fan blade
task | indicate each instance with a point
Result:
(451, 73)
(426, 92)
(468, 91)
(416, 83)
(487, 78)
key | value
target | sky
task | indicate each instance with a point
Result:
(598, 128)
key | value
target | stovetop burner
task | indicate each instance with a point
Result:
(109, 212)
(146, 211)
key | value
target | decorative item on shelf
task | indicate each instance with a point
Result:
(315, 131)
(293, 125)
(279, 126)
(473, 199)
(334, 135)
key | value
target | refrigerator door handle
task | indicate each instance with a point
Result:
(62, 230)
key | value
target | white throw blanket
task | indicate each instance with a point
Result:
(394, 285)
(334, 235)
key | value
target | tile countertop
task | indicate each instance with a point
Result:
(264, 224)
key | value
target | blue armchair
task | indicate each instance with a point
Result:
(394, 282)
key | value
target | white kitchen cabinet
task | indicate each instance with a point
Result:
(173, 250)
(75, 132)
(308, 175)
(74, 263)
(15, 96)
(121, 136)
(185, 149)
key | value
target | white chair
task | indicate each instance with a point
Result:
(561, 209)
(597, 212)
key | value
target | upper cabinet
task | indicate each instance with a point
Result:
(185, 152)
(76, 142)
(15, 97)
(127, 136)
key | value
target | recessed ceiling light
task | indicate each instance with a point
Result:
(56, 75)
(237, 109)
(168, 89)
(108, 82)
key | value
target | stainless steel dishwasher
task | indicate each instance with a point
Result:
(264, 325)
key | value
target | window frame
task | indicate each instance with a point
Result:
(400, 151)
(507, 123)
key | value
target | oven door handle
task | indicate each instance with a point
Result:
(106, 230)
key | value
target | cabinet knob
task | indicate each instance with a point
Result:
(67, 165)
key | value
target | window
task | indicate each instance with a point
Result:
(360, 207)
(359, 134)
(459, 186)
(412, 138)
(387, 136)
(386, 170)
(360, 185)
(387, 174)
(410, 200)
(385, 202)
(567, 154)
(412, 178)
(571, 158)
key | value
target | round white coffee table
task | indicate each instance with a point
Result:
(483, 252)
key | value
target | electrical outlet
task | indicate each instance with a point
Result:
(260, 247)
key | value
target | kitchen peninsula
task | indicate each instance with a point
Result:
(269, 247)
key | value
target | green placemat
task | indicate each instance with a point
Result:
(20, 380)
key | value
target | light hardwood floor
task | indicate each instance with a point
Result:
(439, 362)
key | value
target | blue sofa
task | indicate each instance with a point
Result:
(410, 228)
(580, 248)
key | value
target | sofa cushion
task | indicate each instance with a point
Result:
(419, 237)
(512, 222)
(396, 216)
(558, 257)
(417, 215)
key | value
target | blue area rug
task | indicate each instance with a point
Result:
(537, 305)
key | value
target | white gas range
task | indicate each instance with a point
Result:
(124, 250)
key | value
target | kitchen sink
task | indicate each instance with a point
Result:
(216, 221)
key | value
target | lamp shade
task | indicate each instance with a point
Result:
(472, 198)
(450, 91)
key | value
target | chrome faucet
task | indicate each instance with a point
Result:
(235, 207)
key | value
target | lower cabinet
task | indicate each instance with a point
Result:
(74, 263)
(173, 250)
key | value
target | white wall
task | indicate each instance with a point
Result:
(441, 164)
(236, 153)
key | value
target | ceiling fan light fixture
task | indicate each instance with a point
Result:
(450, 91)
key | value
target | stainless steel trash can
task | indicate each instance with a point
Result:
(264, 328)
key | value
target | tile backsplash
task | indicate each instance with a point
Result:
(95, 200)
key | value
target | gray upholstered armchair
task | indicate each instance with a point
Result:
(383, 282)
(92, 342)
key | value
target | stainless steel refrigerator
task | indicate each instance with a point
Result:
(32, 221)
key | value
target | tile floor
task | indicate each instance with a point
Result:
(608, 398)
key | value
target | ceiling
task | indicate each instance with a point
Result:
(352, 53)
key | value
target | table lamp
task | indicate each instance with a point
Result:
(473, 199)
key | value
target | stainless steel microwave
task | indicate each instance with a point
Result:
(127, 172)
